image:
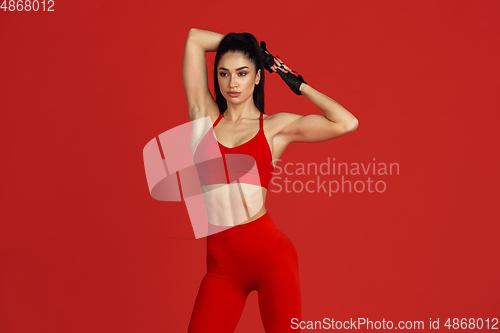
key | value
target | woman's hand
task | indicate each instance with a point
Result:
(275, 65)
(288, 75)
(281, 65)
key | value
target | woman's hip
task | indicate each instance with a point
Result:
(254, 243)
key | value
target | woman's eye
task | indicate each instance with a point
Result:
(241, 74)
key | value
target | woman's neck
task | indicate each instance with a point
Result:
(240, 112)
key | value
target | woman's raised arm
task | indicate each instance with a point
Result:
(335, 122)
(194, 71)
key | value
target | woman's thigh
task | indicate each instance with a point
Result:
(279, 296)
(218, 306)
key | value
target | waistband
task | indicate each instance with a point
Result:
(263, 226)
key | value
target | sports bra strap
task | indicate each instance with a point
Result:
(261, 121)
(218, 119)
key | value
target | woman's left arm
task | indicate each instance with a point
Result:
(337, 121)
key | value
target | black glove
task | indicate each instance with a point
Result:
(267, 57)
(292, 81)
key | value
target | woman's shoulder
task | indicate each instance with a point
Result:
(282, 117)
(276, 122)
(281, 114)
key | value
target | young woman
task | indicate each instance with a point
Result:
(253, 254)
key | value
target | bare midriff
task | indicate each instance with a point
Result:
(262, 211)
(234, 204)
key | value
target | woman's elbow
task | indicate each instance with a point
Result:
(352, 125)
(191, 32)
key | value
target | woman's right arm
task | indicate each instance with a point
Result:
(194, 73)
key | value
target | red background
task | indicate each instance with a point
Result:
(85, 248)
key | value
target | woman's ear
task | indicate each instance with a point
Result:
(257, 77)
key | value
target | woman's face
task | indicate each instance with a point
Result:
(236, 74)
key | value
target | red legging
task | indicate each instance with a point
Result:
(247, 257)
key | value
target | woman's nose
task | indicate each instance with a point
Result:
(232, 81)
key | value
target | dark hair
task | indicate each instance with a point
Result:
(248, 45)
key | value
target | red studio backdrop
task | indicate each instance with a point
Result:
(85, 248)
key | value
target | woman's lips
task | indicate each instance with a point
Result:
(234, 94)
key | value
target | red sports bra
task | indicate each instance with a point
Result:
(249, 163)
